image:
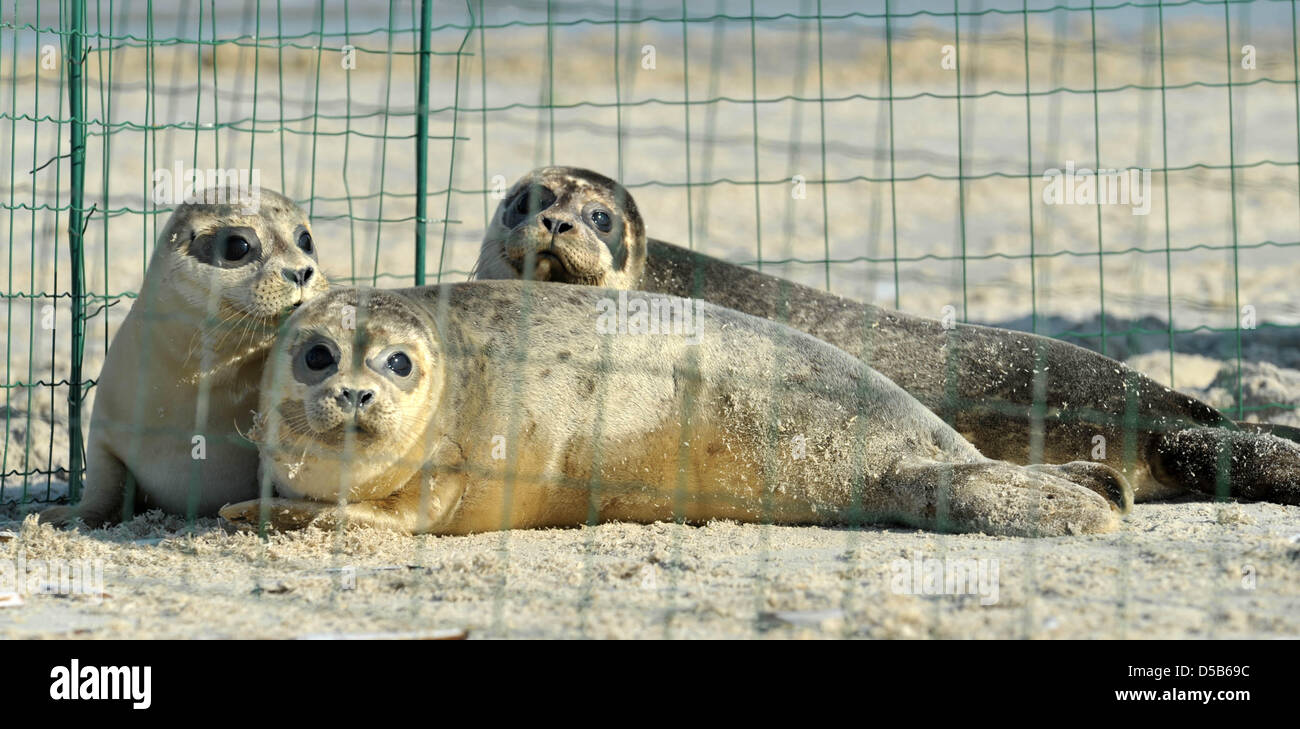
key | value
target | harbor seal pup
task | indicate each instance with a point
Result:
(997, 387)
(496, 405)
(180, 378)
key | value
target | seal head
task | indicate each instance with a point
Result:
(250, 263)
(347, 391)
(568, 225)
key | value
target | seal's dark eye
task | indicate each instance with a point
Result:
(399, 363)
(319, 357)
(602, 221)
(304, 241)
(235, 248)
(534, 199)
(531, 200)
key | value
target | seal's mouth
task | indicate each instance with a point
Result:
(328, 431)
(348, 431)
(297, 424)
(549, 267)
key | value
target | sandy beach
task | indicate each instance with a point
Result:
(690, 140)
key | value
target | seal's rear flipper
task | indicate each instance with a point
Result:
(1248, 465)
(1099, 478)
(994, 497)
(1282, 431)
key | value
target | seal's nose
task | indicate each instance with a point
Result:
(555, 225)
(298, 276)
(349, 399)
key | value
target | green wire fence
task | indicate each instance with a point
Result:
(890, 151)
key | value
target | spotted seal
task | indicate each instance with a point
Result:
(1016, 396)
(507, 404)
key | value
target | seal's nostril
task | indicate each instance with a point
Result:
(556, 226)
(298, 276)
(349, 399)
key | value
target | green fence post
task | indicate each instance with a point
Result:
(77, 109)
(422, 141)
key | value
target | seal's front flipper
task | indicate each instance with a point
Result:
(1248, 465)
(59, 516)
(279, 514)
(1098, 478)
(108, 480)
(290, 514)
(994, 497)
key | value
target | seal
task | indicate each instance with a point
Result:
(180, 378)
(486, 406)
(1016, 396)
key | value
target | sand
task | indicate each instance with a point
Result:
(1174, 570)
(1190, 570)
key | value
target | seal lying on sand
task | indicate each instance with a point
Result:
(499, 405)
(998, 388)
(179, 382)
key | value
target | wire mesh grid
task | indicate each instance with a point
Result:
(894, 153)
